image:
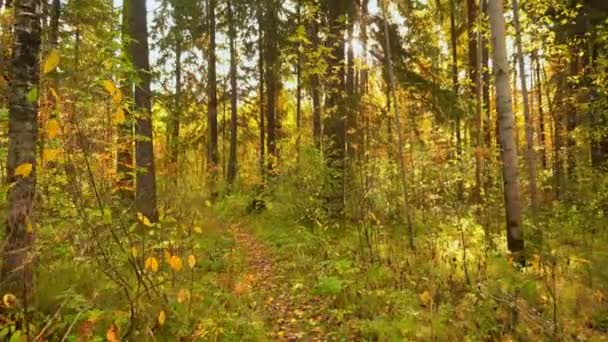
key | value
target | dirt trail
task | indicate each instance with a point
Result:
(288, 317)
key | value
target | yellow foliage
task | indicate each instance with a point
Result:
(191, 261)
(24, 170)
(161, 317)
(52, 129)
(52, 61)
(50, 154)
(176, 263)
(119, 116)
(112, 334)
(425, 297)
(144, 220)
(151, 264)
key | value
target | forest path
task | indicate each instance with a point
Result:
(290, 315)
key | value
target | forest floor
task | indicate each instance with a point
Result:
(290, 313)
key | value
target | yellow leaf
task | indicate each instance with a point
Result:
(9, 300)
(182, 295)
(161, 317)
(112, 334)
(50, 154)
(52, 128)
(109, 87)
(144, 220)
(151, 264)
(134, 251)
(425, 298)
(176, 263)
(24, 170)
(112, 90)
(119, 116)
(198, 230)
(191, 261)
(52, 61)
(167, 255)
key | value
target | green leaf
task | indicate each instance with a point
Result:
(32, 95)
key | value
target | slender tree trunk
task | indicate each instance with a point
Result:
(504, 106)
(260, 15)
(124, 155)
(18, 255)
(272, 79)
(455, 87)
(176, 118)
(298, 84)
(232, 164)
(316, 89)
(541, 115)
(530, 152)
(212, 146)
(145, 192)
(401, 138)
(485, 56)
(475, 80)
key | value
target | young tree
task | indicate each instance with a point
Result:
(18, 256)
(145, 192)
(530, 153)
(212, 146)
(504, 106)
(232, 35)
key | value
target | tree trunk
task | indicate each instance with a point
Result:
(335, 103)
(145, 192)
(272, 79)
(316, 89)
(260, 18)
(233, 93)
(504, 106)
(402, 166)
(475, 80)
(298, 84)
(124, 155)
(541, 115)
(455, 88)
(212, 146)
(18, 255)
(530, 152)
(174, 146)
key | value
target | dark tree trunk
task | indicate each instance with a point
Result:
(260, 19)
(176, 117)
(485, 56)
(475, 83)
(145, 192)
(335, 103)
(299, 85)
(212, 147)
(272, 78)
(232, 164)
(315, 85)
(541, 115)
(124, 155)
(18, 255)
(455, 88)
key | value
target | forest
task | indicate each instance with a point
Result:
(303, 170)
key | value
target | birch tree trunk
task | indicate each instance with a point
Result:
(504, 106)
(17, 256)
